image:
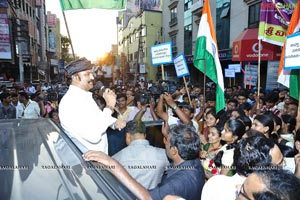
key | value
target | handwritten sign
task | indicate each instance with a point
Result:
(236, 67)
(181, 66)
(161, 54)
(292, 52)
(229, 73)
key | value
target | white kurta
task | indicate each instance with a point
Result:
(83, 121)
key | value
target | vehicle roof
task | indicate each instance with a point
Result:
(39, 161)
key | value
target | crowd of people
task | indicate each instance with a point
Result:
(244, 151)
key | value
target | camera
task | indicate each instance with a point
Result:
(143, 97)
(163, 87)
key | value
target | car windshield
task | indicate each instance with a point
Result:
(38, 161)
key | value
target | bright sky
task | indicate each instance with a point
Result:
(92, 31)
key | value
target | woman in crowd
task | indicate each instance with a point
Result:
(252, 153)
(288, 129)
(210, 150)
(263, 123)
(211, 119)
(233, 131)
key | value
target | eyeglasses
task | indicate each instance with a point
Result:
(242, 193)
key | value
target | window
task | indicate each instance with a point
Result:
(187, 4)
(223, 23)
(27, 10)
(173, 13)
(173, 40)
(131, 39)
(188, 39)
(23, 5)
(136, 54)
(254, 15)
(144, 31)
(131, 57)
(174, 45)
(187, 27)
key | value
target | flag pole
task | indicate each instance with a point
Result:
(298, 115)
(204, 79)
(162, 72)
(69, 34)
(258, 72)
(187, 90)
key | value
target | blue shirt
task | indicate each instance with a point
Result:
(185, 180)
(9, 113)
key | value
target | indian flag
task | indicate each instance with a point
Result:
(286, 77)
(206, 57)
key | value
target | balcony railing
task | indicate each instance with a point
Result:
(173, 22)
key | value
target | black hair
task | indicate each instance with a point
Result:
(297, 135)
(52, 112)
(211, 96)
(232, 100)
(135, 126)
(186, 140)
(239, 111)
(266, 120)
(278, 122)
(121, 95)
(219, 128)
(245, 106)
(243, 93)
(4, 95)
(246, 120)
(24, 94)
(279, 184)
(213, 113)
(187, 106)
(251, 132)
(252, 154)
(237, 127)
(272, 97)
(288, 119)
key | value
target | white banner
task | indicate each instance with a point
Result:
(161, 54)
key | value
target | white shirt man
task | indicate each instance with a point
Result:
(79, 114)
(31, 109)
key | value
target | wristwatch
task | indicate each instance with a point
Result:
(174, 107)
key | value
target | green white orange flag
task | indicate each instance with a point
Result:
(206, 57)
(88, 4)
(291, 79)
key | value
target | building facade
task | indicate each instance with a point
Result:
(136, 37)
(232, 20)
(25, 56)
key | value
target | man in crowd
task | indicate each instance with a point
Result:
(7, 111)
(143, 162)
(16, 103)
(116, 138)
(31, 109)
(184, 178)
(79, 114)
(182, 112)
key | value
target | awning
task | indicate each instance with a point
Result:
(245, 48)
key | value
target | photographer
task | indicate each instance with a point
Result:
(144, 102)
(183, 113)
